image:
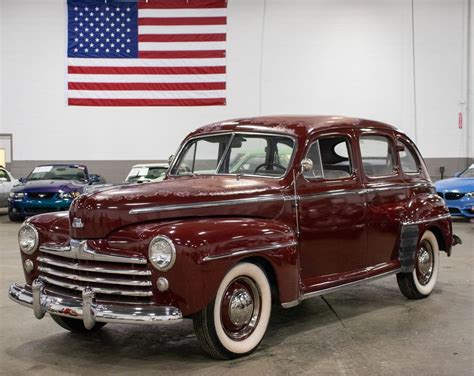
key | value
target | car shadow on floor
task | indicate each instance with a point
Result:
(177, 346)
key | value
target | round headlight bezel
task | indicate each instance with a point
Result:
(170, 264)
(36, 235)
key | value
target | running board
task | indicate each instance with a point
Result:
(337, 288)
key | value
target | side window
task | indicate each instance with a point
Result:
(4, 175)
(408, 160)
(377, 156)
(331, 158)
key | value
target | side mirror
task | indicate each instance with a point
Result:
(94, 179)
(457, 174)
(3, 180)
(22, 180)
(306, 165)
(170, 159)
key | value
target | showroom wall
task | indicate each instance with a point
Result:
(399, 61)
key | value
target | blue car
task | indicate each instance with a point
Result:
(458, 193)
(48, 188)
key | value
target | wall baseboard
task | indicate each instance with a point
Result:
(115, 171)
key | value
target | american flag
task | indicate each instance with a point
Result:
(147, 53)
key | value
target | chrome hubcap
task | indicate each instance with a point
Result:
(425, 263)
(240, 307)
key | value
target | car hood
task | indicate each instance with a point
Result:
(96, 214)
(462, 185)
(49, 186)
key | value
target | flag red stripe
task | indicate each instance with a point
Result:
(147, 86)
(173, 21)
(146, 102)
(181, 4)
(182, 38)
(145, 70)
(204, 54)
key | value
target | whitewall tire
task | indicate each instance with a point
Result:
(234, 323)
(420, 283)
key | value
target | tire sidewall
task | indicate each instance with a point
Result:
(250, 343)
(428, 288)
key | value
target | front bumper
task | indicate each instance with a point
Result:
(87, 309)
(28, 207)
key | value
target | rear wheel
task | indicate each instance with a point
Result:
(234, 323)
(420, 283)
(75, 325)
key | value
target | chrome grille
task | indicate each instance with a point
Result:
(111, 281)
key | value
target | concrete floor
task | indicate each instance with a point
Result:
(376, 332)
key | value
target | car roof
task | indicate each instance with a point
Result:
(144, 165)
(293, 125)
(63, 164)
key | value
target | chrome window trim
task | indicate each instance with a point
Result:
(233, 133)
(246, 251)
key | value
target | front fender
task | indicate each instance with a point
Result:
(208, 248)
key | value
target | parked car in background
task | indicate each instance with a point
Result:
(219, 242)
(49, 188)
(146, 173)
(7, 181)
(458, 193)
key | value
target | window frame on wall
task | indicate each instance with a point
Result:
(390, 142)
(350, 157)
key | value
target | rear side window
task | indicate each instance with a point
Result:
(377, 155)
(408, 160)
(331, 158)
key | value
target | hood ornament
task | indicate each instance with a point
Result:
(77, 223)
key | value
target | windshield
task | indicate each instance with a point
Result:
(242, 154)
(58, 173)
(469, 173)
(146, 173)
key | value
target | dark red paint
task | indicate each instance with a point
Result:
(342, 238)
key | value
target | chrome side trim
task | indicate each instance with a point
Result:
(87, 310)
(240, 252)
(111, 281)
(95, 269)
(211, 204)
(78, 249)
(337, 288)
(335, 192)
(426, 220)
(99, 290)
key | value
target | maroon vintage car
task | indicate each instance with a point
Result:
(252, 212)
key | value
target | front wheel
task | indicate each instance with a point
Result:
(234, 323)
(75, 325)
(420, 283)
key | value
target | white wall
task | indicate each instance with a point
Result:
(316, 56)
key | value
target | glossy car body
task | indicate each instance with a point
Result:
(310, 234)
(32, 197)
(458, 193)
(7, 182)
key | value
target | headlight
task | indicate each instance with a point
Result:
(162, 253)
(17, 195)
(28, 238)
(68, 195)
(470, 194)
